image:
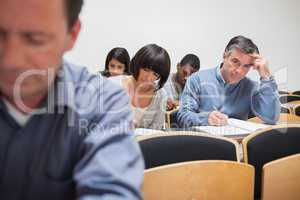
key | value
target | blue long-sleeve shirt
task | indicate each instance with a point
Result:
(80, 146)
(206, 91)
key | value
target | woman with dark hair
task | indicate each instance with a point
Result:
(117, 62)
(150, 69)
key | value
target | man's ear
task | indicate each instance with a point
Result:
(73, 34)
(224, 54)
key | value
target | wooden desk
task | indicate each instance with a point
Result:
(284, 118)
(237, 138)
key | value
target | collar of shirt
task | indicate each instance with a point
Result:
(219, 75)
(19, 117)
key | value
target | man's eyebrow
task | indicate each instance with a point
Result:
(234, 57)
(29, 33)
(37, 33)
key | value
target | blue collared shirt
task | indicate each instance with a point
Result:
(206, 91)
(79, 144)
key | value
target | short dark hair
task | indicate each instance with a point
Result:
(242, 43)
(152, 57)
(192, 60)
(121, 55)
(72, 9)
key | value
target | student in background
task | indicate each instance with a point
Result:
(117, 62)
(150, 69)
(211, 96)
(189, 64)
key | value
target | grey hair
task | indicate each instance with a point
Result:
(242, 43)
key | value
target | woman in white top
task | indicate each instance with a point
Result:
(150, 68)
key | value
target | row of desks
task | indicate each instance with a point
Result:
(283, 119)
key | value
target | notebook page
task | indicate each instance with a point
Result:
(227, 130)
(250, 126)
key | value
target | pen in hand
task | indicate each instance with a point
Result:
(217, 118)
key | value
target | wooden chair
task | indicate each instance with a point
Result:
(281, 179)
(182, 146)
(285, 110)
(296, 92)
(197, 180)
(288, 98)
(284, 118)
(291, 105)
(297, 110)
(171, 119)
(270, 144)
(282, 92)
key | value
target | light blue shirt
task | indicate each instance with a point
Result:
(206, 91)
(80, 147)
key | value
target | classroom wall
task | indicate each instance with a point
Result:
(193, 26)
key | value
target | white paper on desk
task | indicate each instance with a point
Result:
(234, 127)
(250, 126)
(222, 130)
(146, 131)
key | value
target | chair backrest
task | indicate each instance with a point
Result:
(209, 180)
(181, 146)
(283, 92)
(288, 98)
(281, 179)
(284, 110)
(270, 144)
(296, 92)
(297, 110)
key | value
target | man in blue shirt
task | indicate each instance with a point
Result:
(64, 133)
(211, 96)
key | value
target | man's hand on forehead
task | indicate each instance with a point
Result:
(261, 65)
